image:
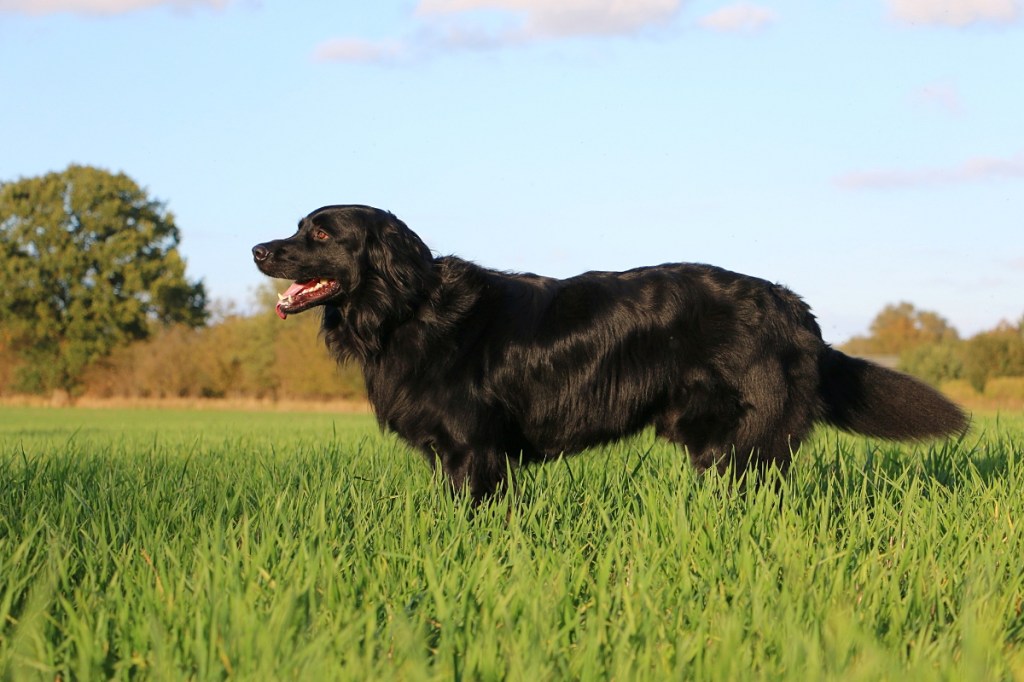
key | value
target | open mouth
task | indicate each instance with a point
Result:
(302, 295)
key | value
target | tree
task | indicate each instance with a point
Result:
(995, 353)
(934, 362)
(89, 262)
(901, 327)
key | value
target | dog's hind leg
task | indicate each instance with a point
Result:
(776, 418)
(737, 448)
(759, 428)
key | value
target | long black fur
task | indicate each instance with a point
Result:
(479, 368)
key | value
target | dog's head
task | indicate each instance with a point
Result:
(339, 252)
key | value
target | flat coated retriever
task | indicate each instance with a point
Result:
(479, 368)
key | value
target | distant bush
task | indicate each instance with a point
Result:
(934, 363)
(999, 353)
(980, 360)
(238, 357)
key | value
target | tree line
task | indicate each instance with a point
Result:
(924, 344)
(254, 356)
(234, 356)
(97, 303)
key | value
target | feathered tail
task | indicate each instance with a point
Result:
(871, 400)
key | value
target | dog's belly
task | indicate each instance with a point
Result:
(572, 432)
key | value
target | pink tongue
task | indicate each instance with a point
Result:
(295, 288)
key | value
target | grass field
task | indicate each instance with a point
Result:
(176, 544)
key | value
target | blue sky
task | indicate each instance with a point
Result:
(861, 153)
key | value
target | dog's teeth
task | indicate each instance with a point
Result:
(280, 296)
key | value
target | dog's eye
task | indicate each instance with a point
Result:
(321, 235)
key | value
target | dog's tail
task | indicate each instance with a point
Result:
(868, 399)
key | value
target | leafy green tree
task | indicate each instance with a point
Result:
(88, 261)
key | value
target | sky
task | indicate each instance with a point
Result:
(861, 153)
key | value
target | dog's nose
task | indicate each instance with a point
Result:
(260, 252)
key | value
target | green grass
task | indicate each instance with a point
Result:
(176, 544)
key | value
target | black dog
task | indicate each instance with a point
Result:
(479, 368)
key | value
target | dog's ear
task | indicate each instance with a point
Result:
(399, 256)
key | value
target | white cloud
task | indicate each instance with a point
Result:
(740, 17)
(973, 170)
(488, 24)
(357, 50)
(559, 18)
(99, 7)
(954, 12)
